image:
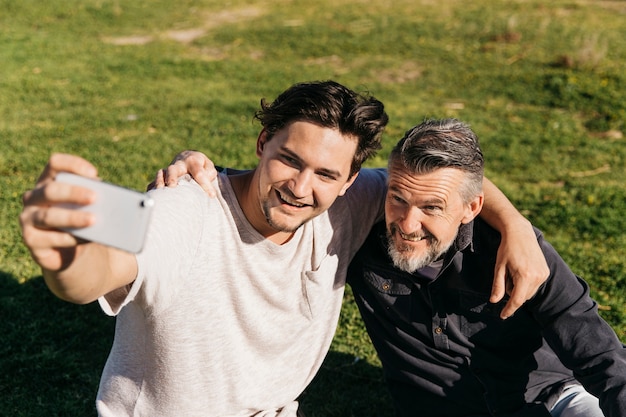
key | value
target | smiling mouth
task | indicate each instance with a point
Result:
(286, 200)
(411, 238)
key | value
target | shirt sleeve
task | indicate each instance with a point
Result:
(174, 232)
(584, 342)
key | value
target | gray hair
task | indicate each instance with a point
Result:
(436, 144)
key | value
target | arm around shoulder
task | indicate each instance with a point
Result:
(521, 267)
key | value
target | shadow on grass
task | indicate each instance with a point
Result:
(345, 388)
(52, 354)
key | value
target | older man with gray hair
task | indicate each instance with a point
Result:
(422, 283)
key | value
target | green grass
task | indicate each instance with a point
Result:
(541, 83)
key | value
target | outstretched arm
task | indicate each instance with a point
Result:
(74, 270)
(520, 265)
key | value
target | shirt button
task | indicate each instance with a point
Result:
(386, 286)
(438, 330)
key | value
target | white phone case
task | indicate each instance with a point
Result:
(122, 215)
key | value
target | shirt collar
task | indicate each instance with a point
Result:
(464, 238)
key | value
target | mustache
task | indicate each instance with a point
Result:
(423, 234)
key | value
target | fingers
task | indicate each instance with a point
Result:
(519, 292)
(501, 286)
(47, 244)
(195, 164)
(53, 192)
(158, 182)
(174, 172)
(60, 162)
(521, 289)
(51, 249)
(191, 163)
(38, 238)
(498, 288)
(520, 270)
(514, 303)
(54, 217)
(183, 156)
(187, 162)
(205, 178)
(47, 208)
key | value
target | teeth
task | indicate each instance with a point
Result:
(411, 238)
(288, 201)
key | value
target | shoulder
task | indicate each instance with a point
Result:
(372, 179)
(185, 192)
(369, 188)
(179, 215)
(362, 205)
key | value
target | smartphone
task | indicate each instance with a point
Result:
(122, 215)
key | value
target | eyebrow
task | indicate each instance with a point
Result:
(325, 171)
(430, 201)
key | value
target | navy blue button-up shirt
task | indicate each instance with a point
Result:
(445, 351)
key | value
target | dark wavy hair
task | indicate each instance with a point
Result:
(329, 104)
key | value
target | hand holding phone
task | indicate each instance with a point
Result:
(122, 215)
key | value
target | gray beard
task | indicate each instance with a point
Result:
(403, 260)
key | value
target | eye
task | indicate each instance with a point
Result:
(432, 209)
(396, 199)
(289, 160)
(327, 176)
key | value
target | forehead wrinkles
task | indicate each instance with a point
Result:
(438, 185)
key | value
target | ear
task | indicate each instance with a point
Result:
(260, 143)
(473, 208)
(348, 184)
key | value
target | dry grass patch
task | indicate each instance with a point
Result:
(212, 21)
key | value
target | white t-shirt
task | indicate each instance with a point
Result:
(222, 322)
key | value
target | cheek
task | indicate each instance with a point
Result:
(443, 230)
(392, 213)
(277, 172)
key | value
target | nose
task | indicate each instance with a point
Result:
(302, 184)
(410, 220)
